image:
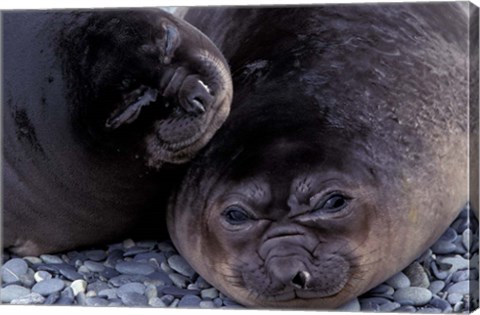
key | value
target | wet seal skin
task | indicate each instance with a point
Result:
(99, 107)
(344, 156)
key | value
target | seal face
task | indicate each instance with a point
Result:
(99, 105)
(339, 163)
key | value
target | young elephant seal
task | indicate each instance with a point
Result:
(96, 104)
(344, 156)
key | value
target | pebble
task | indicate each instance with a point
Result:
(32, 260)
(189, 301)
(31, 298)
(134, 268)
(180, 265)
(94, 266)
(131, 287)
(96, 301)
(450, 235)
(13, 269)
(128, 243)
(156, 302)
(419, 296)
(389, 307)
(96, 255)
(108, 293)
(436, 286)
(382, 289)
(202, 284)
(467, 238)
(28, 279)
(52, 298)
(398, 281)
(457, 262)
(179, 280)
(124, 279)
(177, 292)
(461, 275)
(134, 251)
(352, 306)
(134, 299)
(49, 286)
(78, 286)
(440, 304)
(12, 292)
(406, 309)
(151, 291)
(206, 304)
(417, 275)
(113, 257)
(454, 298)
(51, 259)
(66, 297)
(42, 275)
(443, 247)
(209, 293)
(462, 287)
(69, 272)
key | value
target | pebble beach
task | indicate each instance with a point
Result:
(152, 274)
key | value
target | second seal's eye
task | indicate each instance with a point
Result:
(334, 203)
(235, 215)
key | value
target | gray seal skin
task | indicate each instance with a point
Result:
(344, 156)
(99, 107)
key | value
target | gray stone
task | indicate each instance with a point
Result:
(12, 292)
(32, 298)
(42, 275)
(461, 275)
(398, 281)
(113, 257)
(382, 289)
(96, 255)
(374, 300)
(128, 243)
(66, 297)
(419, 296)
(131, 287)
(463, 287)
(134, 251)
(32, 260)
(150, 245)
(161, 277)
(351, 306)
(174, 303)
(467, 238)
(94, 266)
(124, 279)
(417, 275)
(167, 299)
(209, 293)
(389, 307)
(108, 293)
(177, 292)
(28, 279)
(443, 247)
(441, 304)
(78, 286)
(144, 257)
(458, 307)
(207, 304)
(166, 268)
(457, 262)
(51, 259)
(97, 286)
(406, 309)
(165, 247)
(454, 298)
(91, 294)
(218, 302)
(202, 283)
(156, 302)
(189, 301)
(430, 310)
(437, 272)
(180, 265)
(179, 280)
(151, 291)
(13, 269)
(436, 286)
(96, 301)
(450, 235)
(52, 298)
(133, 299)
(134, 268)
(47, 287)
(81, 299)
(69, 272)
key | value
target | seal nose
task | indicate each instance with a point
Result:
(301, 280)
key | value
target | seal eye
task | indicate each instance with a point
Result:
(236, 215)
(334, 203)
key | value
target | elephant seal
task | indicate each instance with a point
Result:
(98, 108)
(344, 155)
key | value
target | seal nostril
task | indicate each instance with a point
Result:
(301, 279)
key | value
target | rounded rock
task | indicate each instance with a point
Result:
(454, 298)
(436, 286)
(51, 259)
(417, 275)
(108, 293)
(96, 301)
(461, 275)
(189, 301)
(133, 299)
(96, 255)
(134, 268)
(13, 292)
(450, 235)
(352, 306)
(133, 287)
(94, 266)
(179, 280)
(389, 307)
(462, 287)
(419, 296)
(32, 298)
(398, 281)
(32, 260)
(457, 262)
(49, 286)
(441, 304)
(156, 302)
(180, 265)
(78, 286)
(209, 293)
(13, 269)
(443, 247)
(42, 275)
(207, 304)
(167, 299)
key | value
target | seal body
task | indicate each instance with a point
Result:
(344, 156)
(98, 107)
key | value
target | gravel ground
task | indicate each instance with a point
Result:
(149, 273)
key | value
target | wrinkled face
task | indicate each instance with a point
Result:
(293, 226)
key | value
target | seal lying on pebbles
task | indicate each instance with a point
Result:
(344, 155)
(95, 103)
